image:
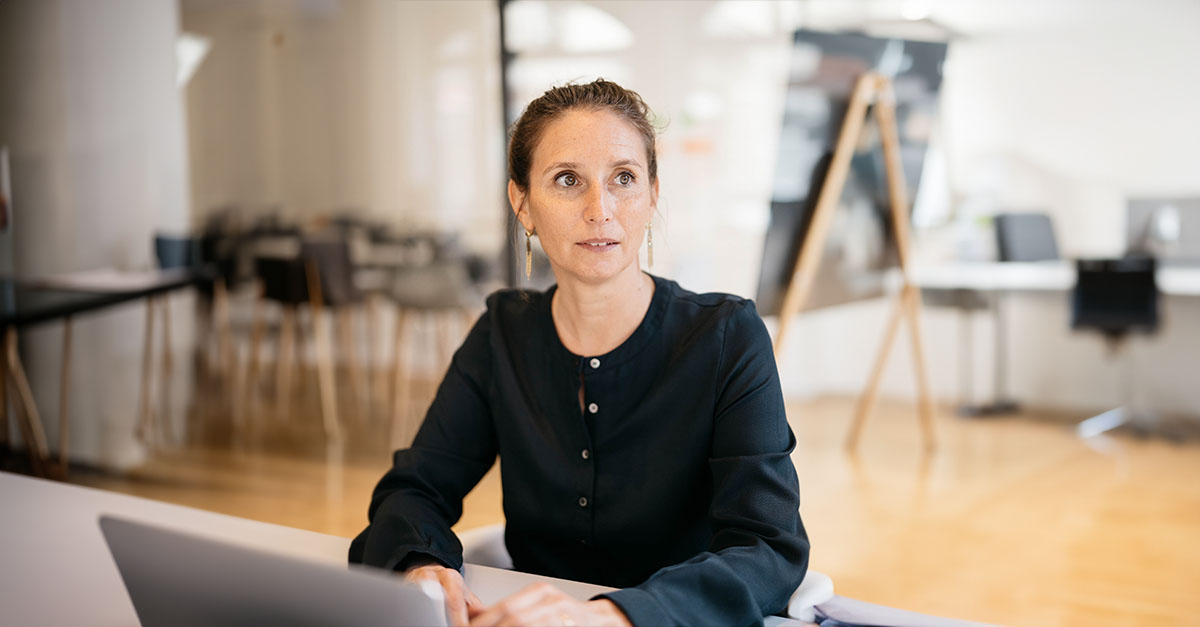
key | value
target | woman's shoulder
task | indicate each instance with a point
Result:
(706, 304)
(515, 304)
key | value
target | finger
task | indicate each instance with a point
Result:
(548, 612)
(456, 603)
(474, 605)
(514, 604)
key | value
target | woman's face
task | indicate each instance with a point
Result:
(590, 196)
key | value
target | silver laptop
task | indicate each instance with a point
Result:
(179, 579)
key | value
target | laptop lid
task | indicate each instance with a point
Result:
(180, 579)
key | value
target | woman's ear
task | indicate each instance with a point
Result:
(654, 195)
(516, 198)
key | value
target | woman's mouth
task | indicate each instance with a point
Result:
(598, 244)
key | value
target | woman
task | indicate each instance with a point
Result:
(640, 427)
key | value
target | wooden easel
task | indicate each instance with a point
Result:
(870, 87)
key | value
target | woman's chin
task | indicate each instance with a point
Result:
(596, 273)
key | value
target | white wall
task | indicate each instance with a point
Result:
(94, 126)
(392, 108)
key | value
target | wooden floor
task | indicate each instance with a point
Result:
(1013, 520)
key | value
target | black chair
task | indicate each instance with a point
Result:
(1025, 237)
(1115, 297)
(176, 252)
(288, 282)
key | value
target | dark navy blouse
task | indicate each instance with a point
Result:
(674, 483)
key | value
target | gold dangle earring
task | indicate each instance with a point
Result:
(649, 245)
(528, 254)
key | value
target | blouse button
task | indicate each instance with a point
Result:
(585, 454)
(595, 363)
(593, 408)
(583, 501)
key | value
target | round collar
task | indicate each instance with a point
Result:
(632, 345)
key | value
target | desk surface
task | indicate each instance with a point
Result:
(30, 301)
(55, 568)
(1040, 276)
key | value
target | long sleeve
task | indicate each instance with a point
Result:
(758, 553)
(420, 498)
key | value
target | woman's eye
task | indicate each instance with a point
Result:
(567, 179)
(624, 178)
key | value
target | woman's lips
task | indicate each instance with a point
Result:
(598, 244)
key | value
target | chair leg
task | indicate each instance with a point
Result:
(284, 365)
(349, 348)
(376, 351)
(400, 369)
(326, 376)
(442, 329)
(224, 328)
(249, 382)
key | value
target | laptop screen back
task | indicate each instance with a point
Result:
(179, 579)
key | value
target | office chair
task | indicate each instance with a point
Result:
(292, 282)
(434, 293)
(329, 258)
(1025, 237)
(1115, 297)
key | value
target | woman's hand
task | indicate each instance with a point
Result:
(461, 603)
(543, 604)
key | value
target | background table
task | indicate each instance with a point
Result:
(26, 302)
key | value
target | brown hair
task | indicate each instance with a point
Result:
(596, 95)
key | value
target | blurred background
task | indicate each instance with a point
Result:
(242, 238)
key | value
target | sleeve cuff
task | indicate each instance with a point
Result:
(640, 607)
(403, 559)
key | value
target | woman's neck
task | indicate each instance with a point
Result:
(593, 319)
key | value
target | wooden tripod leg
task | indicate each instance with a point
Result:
(807, 263)
(866, 401)
(145, 427)
(64, 403)
(885, 113)
(27, 413)
(924, 399)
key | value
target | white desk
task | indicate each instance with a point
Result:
(55, 568)
(998, 278)
(1057, 276)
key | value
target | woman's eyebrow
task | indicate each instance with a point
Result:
(571, 165)
(564, 165)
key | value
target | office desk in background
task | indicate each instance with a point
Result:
(27, 302)
(994, 279)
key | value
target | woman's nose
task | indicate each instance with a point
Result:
(599, 206)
